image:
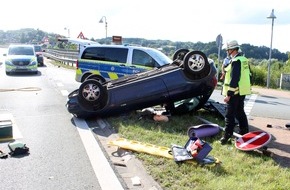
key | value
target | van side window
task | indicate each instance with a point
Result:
(106, 54)
(142, 58)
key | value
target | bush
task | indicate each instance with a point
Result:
(259, 76)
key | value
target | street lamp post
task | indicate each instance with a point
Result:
(68, 31)
(106, 24)
(272, 16)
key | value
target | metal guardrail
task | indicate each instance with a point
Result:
(68, 57)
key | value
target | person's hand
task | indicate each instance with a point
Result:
(222, 76)
(227, 99)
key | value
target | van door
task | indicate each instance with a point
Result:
(141, 59)
(109, 62)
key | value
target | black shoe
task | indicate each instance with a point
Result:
(242, 132)
(225, 140)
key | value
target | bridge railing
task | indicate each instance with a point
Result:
(67, 57)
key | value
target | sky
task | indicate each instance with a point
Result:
(185, 20)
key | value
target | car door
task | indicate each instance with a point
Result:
(138, 94)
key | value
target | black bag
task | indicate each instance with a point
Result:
(17, 148)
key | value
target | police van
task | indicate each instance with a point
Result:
(109, 62)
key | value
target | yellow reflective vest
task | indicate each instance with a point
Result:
(244, 85)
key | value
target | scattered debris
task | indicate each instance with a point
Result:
(136, 181)
(3, 155)
(119, 164)
(17, 148)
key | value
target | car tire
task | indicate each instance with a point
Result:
(92, 95)
(180, 54)
(196, 65)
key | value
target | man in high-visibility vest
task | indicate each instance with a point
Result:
(235, 88)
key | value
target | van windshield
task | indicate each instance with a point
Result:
(161, 58)
(20, 51)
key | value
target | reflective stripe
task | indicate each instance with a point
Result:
(235, 90)
(108, 70)
(113, 75)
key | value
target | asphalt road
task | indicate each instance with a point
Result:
(267, 106)
(63, 152)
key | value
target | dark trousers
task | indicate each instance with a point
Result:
(235, 110)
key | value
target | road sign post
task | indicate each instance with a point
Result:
(219, 43)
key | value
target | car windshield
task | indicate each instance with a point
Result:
(161, 58)
(37, 48)
(21, 50)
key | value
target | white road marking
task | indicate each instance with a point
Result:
(59, 84)
(250, 103)
(105, 174)
(64, 92)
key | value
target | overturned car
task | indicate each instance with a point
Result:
(190, 76)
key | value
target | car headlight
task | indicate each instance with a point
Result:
(33, 62)
(8, 62)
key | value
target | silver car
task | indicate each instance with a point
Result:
(20, 58)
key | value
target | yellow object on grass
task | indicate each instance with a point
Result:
(155, 150)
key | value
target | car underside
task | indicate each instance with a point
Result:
(190, 76)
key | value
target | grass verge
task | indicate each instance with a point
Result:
(238, 170)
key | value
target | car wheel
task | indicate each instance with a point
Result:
(196, 65)
(92, 95)
(96, 77)
(179, 54)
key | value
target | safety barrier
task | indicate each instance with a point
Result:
(67, 57)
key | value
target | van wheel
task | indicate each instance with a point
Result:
(92, 95)
(96, 77)
(196, 65)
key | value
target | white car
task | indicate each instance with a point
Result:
(20, 59)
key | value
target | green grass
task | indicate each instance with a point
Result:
(238, 170)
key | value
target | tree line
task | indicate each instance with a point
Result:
(258, 55)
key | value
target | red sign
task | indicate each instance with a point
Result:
(81, 36)
(117, 39)
(253, 140)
